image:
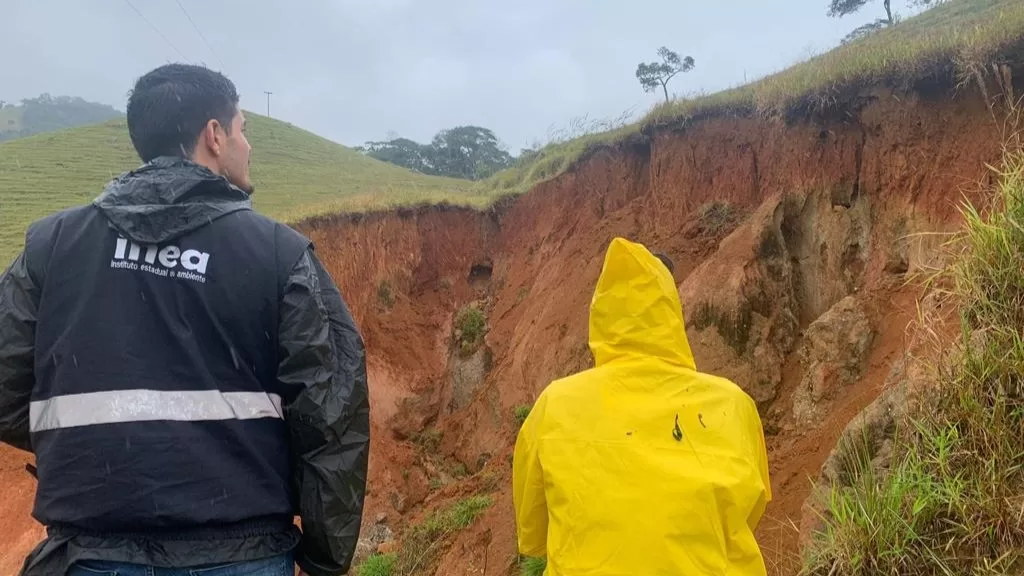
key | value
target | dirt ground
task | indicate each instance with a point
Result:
(865, 181)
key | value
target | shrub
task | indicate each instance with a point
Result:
(429, 440)
(717, 216)
(470, 327)
(521, 413)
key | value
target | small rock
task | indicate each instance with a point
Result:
(387, 547)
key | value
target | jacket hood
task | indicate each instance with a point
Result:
(166, 198)
(635, 311)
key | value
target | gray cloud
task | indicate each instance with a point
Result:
(353, 70)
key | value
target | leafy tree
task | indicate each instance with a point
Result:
(840, 8)
(654, 74)
(401, 152)
(468, 152)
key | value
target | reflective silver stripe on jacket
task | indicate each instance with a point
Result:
(123, 406)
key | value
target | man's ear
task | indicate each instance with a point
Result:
(212, 137)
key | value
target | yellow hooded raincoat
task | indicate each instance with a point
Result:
(641, 466)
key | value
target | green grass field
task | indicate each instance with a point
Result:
(962, 35)
(297, 174)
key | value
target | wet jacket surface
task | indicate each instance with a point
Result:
(189, 379)
(641, 465)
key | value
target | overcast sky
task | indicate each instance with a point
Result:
(355, 70)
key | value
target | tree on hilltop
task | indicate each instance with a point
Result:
(468, 152)
(401, 152)
(654, 74)
(840, 8)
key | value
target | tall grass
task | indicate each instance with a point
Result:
(422, 544)
(378, 565)
(952, 501)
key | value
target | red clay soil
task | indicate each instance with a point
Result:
(443, 424)
(19, 534)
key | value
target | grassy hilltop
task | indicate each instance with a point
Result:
(963, 37)
(297, 174)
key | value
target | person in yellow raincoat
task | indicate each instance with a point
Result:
(641, 466)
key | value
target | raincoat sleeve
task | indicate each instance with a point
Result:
(322, 362)
(762, 463)
(528, 496)
(19, 302)
(760, 457)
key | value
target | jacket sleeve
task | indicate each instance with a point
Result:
(323, 368)
(19, 302)
(528, 497)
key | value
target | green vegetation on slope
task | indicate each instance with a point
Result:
(958, 36)
(378, 565)
(297, 174)
(533, 566)
(422, 543)
(951, 500)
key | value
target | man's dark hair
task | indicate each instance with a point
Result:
(666, 261)
(170, 106)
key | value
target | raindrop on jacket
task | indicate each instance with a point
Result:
(641, 465)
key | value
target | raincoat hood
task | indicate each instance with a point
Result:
(635, 311)
(167, 198)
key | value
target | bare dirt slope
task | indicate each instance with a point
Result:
(785, 236)
(793, 241)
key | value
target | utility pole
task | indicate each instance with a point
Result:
(268, 102)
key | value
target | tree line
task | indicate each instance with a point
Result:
(47, 113)
(468, 152)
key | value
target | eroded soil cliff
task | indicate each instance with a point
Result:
(796, 243)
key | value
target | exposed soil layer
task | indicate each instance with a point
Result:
(770, 224)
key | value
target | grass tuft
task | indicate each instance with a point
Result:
(951, 502)
(533, 566)
(717, 216)
(521, 413)
(378, 565)
(421, 545)
(470, 328)
(386, 295)
(429, 440)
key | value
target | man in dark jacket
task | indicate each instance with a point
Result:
(184, 370)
